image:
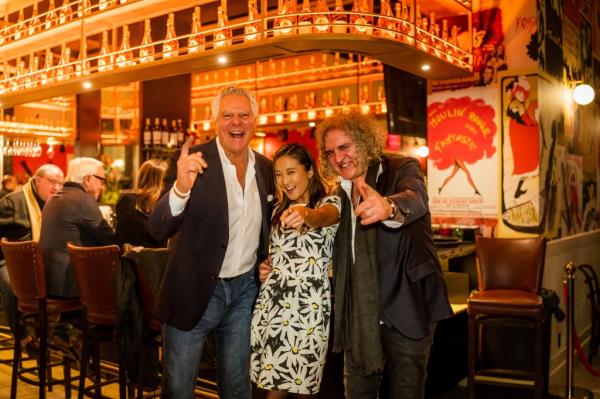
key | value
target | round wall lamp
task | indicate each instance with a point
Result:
(583, 94)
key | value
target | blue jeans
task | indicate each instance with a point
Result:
(228, 314)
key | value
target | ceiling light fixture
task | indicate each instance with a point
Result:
(583, 94)
(222, 60)
(425, 67)
(87, 85)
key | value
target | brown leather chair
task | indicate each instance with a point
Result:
(95, 270)
(510, 276)
(28, 282)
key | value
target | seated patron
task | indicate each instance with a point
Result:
(133, 207)
(73, 215)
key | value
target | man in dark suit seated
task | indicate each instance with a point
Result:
(389, 290)
(73, 215)
(217, 205)
(20, 220)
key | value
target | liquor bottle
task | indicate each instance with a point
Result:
(339, 23)
(66, 13)
(180, 132)
(147, 48)
(283, 24)
(34, 21)
(164, 133)
(125, 57)
(173, 134)
(34, 65)
(19, 74)
(6, 34)
(321, 20)
(105, 61)
(304, 20)
(4, 80)
(47, 73)
(156, 133)
(51, 17)
(360, 23)
(222, 37)
(253, 26)
(83, 8)
(147, 134)
(82, 67)
(65, 69)
(171, 44)
(385, 21)
(20, 30)
(196, 41)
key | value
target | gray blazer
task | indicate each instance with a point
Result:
(71, 215)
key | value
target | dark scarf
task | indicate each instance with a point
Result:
(356, 324)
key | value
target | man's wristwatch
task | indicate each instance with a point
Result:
(394, 209)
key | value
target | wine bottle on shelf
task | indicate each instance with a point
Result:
(5, 37)
(82, 67)
(51, 17)
(253, 26)
(196, 41)
(171, 44)
(173, 134)
(339, 23)
(359, 22)
(321, 20)
(20, 30)
(125, 57)
(19, 73)
(283, 24)
(34, 21)
(105, 61)
(66, 13)
(147, 134)
(156, 133)
(83, 8)
(103, 4)
(164, 133)
(305, 23)
(222, 37)
(147, 46)
(65, 69)
(47, 73)
(385, 21)
(180, 132)
(34, 65)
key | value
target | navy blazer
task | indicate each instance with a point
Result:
(200, 235)
(411, 286)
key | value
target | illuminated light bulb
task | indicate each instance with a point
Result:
(422, 151)
(278, 118)
(311, 114)
(171, 44)
(206, 125)
(328, 112)
(312, 124)
(583, 94)
(196, 42)
(364, 109)
(147, 48)
(263, 119)
(293, 116)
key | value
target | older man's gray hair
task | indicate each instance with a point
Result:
(48, 169)
(233, 91)
(82, 167)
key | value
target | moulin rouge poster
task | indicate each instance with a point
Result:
(463, 158)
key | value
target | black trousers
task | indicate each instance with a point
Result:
(405, 368)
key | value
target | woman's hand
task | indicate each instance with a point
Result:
(294, 217)
(264, 269)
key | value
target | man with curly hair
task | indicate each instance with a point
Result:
(389, 290)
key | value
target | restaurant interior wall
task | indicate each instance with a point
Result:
(515, 119)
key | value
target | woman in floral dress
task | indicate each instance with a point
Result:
(290, 324)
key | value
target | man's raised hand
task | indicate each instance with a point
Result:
(188, 167)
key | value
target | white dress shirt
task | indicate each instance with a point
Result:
(245, 216)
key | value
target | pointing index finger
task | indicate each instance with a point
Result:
(185, 149)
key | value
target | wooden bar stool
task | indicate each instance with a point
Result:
(96, 271)
(510, 275)
(28, 282)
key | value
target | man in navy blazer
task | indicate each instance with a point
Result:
(389, 290)
(216, 210)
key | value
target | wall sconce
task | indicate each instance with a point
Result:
(583, 94)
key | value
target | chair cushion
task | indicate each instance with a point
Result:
(505, 303)
(53, 305)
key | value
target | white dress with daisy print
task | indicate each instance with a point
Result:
(290, 324)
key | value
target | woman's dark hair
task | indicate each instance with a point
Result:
(317, 187)
(149, 184)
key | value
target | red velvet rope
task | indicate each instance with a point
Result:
(582, 358)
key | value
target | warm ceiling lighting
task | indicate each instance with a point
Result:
(425, 67)
(583, 94)
(87, 85)
(222, 60)
(312, 124)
